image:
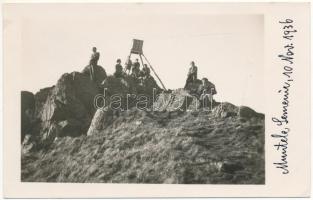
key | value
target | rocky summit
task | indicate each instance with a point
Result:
(149, 136)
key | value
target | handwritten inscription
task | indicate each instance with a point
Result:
(282, 121)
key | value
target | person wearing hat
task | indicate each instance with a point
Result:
(118, 69)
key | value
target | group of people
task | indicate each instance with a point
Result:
(205, 89)
(131, 68)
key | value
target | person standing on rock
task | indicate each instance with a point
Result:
(128, 65)
(136, 69)
(192, 74)
(93, 61)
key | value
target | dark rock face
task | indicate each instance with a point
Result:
(130, 90)
(99, 73)
(65, 109)
(248, 113)
(196, 88)
(27, 111)
(70, 99)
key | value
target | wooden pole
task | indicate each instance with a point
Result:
(154, 72)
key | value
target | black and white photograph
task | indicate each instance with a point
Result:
(165, 99)
(156, 99)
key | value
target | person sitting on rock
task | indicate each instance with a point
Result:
(192, 74)
(136, 69)
(206, 86)
(93, 62)
(206, 91)
(144, 73)
(128, 66)
(146, 70)
(118, 69)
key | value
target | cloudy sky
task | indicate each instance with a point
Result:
(227, 48)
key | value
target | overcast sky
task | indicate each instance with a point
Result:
(228, 49)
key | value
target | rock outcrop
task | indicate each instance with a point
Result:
(196, 88)
(68, 107)
(130, 91)
(121, 95)
(98, 73)
(177, 100)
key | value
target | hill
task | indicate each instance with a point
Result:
(65, 139)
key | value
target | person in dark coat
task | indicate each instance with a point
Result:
(94, 57)
(192, 74)
(128, 65)
(118, 69)
(93, 62)
(136, 69)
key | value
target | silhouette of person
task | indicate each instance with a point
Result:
(118, 69)
(136, 69)
(192, 74)
(93, 62)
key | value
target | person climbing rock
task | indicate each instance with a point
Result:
(93, 62)
(118, 69)
(192, 74)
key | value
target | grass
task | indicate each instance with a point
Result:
(141, 147)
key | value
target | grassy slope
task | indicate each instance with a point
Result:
(142, 147)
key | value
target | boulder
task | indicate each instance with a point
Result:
(247, 113)
(129, 90)
(101, 119)
(177, 100)
(68, 106)
(124, 93)
(196, 88)
(99, 73)
(224, 110)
